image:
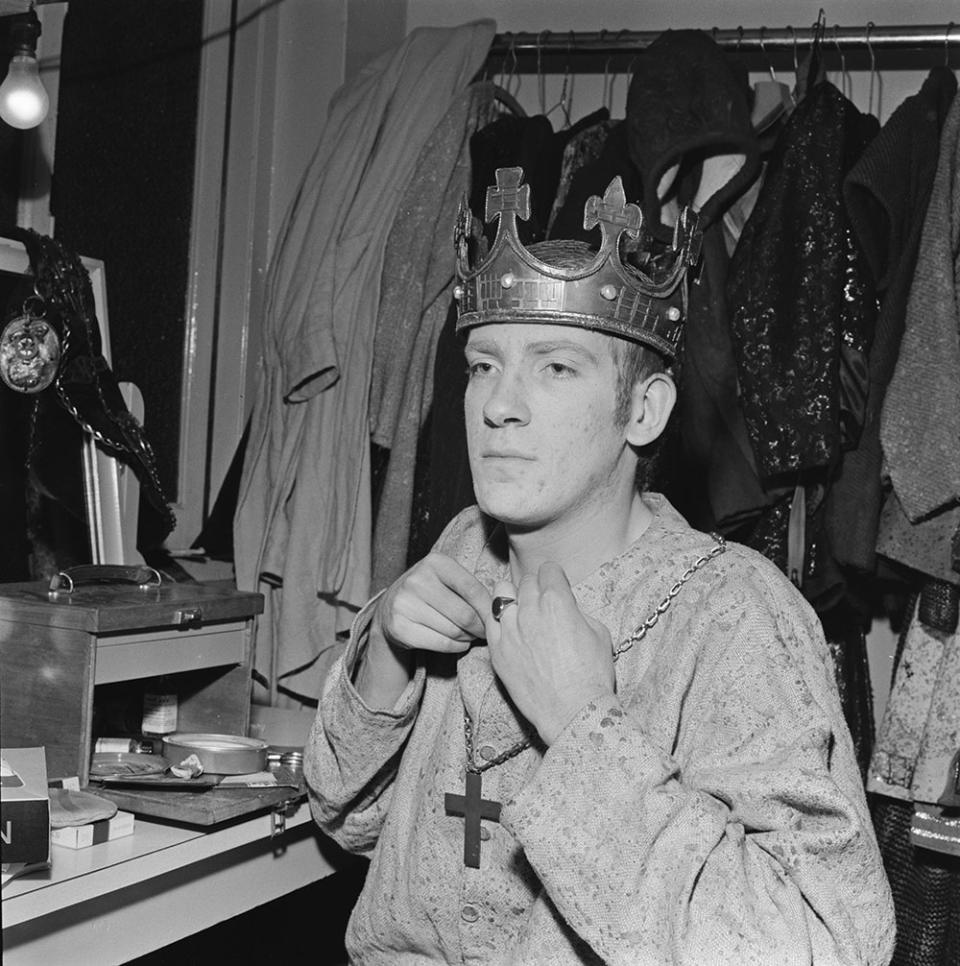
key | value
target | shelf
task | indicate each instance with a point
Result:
(121, 899)
(154, 849)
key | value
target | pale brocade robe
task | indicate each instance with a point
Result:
(711, 812)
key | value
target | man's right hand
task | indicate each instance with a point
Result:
(437, 605)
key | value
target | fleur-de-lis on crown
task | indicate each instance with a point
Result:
(613, 214)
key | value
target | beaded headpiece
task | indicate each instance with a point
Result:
(510, 284)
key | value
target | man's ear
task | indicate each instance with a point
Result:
(653, 401)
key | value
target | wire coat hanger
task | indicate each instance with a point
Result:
(541, 80)
(766, 56)
(875, 78)
(609, 78)
(844, 77)
(501, 89)
(565, 89)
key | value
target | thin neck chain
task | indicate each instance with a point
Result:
(641, 632)
(638, 635)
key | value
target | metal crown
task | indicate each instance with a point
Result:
(512, 285)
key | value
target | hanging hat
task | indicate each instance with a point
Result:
(688, 101)
(574, 284)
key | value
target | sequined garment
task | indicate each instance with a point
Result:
(802, 307)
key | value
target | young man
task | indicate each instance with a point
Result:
(579, 731)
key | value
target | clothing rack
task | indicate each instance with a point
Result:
(612, 42)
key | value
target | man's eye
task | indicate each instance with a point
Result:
(478, 368)
(560, 369)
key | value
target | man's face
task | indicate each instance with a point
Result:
(541, 429)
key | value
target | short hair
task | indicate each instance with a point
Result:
(635, 361)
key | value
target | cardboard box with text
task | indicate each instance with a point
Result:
(24, 806)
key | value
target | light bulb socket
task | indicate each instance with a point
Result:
(24, 32)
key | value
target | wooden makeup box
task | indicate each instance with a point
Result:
(74, 665)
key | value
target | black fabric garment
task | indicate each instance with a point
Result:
(688, 100)
(802, 306)
(886, 195)
(532, 144)
(42, 517)
(442, 484)
(526, 142)
(709, 469)
(802, 312)
(582, 148)
(592, 179)
(846, 636)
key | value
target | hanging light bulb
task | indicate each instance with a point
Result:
(23, 99)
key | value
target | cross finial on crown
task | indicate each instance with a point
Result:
(508, 198)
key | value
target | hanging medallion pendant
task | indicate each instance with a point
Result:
(29, 354)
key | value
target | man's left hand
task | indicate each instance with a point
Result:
(551, 657)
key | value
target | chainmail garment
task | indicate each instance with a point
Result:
(926, 890)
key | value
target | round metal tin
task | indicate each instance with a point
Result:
(219, 754)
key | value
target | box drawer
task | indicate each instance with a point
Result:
(129, 656)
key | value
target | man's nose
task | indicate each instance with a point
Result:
(507, 402)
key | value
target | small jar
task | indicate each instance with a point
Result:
(160, 708)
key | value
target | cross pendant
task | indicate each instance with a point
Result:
(472, 807)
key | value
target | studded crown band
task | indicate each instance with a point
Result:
(512, 285)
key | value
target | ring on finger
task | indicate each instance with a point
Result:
(499, 605)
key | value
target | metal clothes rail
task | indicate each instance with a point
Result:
(611, 42)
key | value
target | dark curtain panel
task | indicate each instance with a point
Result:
(123, 189)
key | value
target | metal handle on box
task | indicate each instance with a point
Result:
(65, 581)
(191, 617)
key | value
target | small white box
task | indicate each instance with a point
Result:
(93, 833)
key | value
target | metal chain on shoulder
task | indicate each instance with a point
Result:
(638, 635)
(641, 632)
